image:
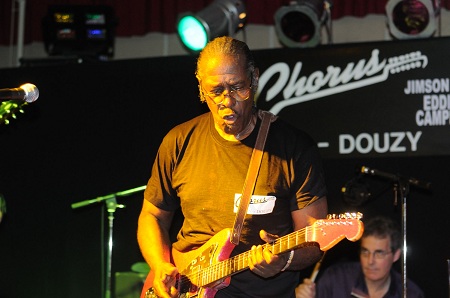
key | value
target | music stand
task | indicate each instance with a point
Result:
(111, 206)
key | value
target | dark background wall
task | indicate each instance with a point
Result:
(95, 130)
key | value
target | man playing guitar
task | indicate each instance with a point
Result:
(201, 167)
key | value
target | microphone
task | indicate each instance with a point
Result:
(27, 92)
(356, 192)
(373, 172)
(411, 181)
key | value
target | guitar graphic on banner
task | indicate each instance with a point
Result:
(210, 263)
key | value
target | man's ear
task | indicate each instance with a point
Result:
(200, 94)
(255, 79)
(397, 255)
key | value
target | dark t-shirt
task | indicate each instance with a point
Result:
(346, 280)
(198, 170)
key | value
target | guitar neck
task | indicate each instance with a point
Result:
(239, 262)
(326, 233)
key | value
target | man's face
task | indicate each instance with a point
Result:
(376, 257)
(222, 74)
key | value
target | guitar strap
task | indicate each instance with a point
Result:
(252, 174)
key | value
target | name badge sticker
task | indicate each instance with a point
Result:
(258, 204)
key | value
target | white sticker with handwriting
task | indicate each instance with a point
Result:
(258, 204)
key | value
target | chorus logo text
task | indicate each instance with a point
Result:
(296, 88)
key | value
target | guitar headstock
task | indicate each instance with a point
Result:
(9, 109)
(328, 232)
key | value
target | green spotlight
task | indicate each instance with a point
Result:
(192, 33)
(220, 18)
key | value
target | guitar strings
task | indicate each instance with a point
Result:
(277, 248)
(209, 275)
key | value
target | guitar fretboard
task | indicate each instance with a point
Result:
(326, 233)
(239, 262)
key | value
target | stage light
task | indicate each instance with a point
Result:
(84, 31)
(220, 18)
(408, 19)
(299, 25)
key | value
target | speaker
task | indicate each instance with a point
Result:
(129, 284)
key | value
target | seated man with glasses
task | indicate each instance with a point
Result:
(373, 276)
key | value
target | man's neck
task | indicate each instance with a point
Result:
(377, 289)
(248, 128)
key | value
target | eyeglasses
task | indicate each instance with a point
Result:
(378, 254)
(217, 96)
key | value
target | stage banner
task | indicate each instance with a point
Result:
(378, 99)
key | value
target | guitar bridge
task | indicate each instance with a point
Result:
(183, 292)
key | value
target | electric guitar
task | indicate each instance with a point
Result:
(207, 269)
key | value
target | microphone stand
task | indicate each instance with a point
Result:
(401, 185)
(111, 206)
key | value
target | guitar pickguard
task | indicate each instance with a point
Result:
(188, 281)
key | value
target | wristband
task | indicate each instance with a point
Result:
(291, 256)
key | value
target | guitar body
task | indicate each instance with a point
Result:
(217, 249)
(207, 269)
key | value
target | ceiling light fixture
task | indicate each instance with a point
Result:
(299, 24)
(220, 18)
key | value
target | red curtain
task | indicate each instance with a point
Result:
(139, 17)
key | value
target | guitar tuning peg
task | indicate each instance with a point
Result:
(346, 215)
(354, 215)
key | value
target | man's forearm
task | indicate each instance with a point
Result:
(153, 240)
(305, 257)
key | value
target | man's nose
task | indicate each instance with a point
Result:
(228, 99)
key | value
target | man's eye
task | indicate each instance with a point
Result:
(217, 92)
